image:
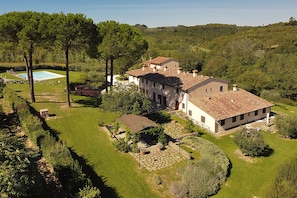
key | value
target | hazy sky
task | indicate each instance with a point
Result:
(156, 13)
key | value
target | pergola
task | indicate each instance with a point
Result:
(136, 123)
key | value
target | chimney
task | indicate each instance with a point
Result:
(178, 71)
(235, 88)
(142, 68)
(195, 72)
(154, 69)
(165, 68)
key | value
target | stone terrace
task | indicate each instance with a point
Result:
(155, 159)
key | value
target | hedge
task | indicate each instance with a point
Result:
(56, 153)
(210, 150)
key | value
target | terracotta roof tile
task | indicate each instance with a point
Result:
(169, 77)
(158, 60)
(232, 103)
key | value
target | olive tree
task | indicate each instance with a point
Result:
(251, 142)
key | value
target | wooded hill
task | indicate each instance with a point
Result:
(260, 59)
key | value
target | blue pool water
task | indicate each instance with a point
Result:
(41, 75)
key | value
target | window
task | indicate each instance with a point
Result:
(190, 113)
(234, 119)
(256, 112)
(202, 119)
(163, 86)
(159, 98)
(241, 116)
(146, 82)
(142, 80)
(264, 110)
(222, 122)
(221, 88)
(183, 105)
(154, 84)
(177, 90)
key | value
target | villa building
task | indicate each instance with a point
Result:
(205, 100)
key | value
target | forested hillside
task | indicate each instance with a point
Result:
(262, 59)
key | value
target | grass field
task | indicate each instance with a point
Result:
(78, 128)
(250, 176)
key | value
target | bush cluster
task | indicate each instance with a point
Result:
(56, 153)
(202, 178)
(251, 143)
(210, 150)
(287, 126)
(19, 176)
(285, 182)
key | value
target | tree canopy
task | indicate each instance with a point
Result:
(72, 32)
(126, 99)
(120, 41)
(24, 31)
(251, 143)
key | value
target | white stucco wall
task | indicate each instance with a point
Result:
(134, 80)
(209, 123)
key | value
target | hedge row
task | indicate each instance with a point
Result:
(209, 150)
(204, 177)
(70, 173)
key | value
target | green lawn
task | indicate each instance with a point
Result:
(78, 128)
(250, 179)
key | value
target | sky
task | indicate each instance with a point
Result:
(158, 13)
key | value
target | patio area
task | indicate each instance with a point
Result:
(154, 159)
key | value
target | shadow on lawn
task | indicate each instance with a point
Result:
(97, 181)
(89, 101)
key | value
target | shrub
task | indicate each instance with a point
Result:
(251, 143)
(2, 85)
(199, 179)
(89, 191)
(212, 151)
(285, 183)
(190, 125)
(121, 145)
(56, 153)
(204, 177)
(162, 139)
(157, 180)
(287, 126)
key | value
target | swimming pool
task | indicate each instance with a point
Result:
(41, 75)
